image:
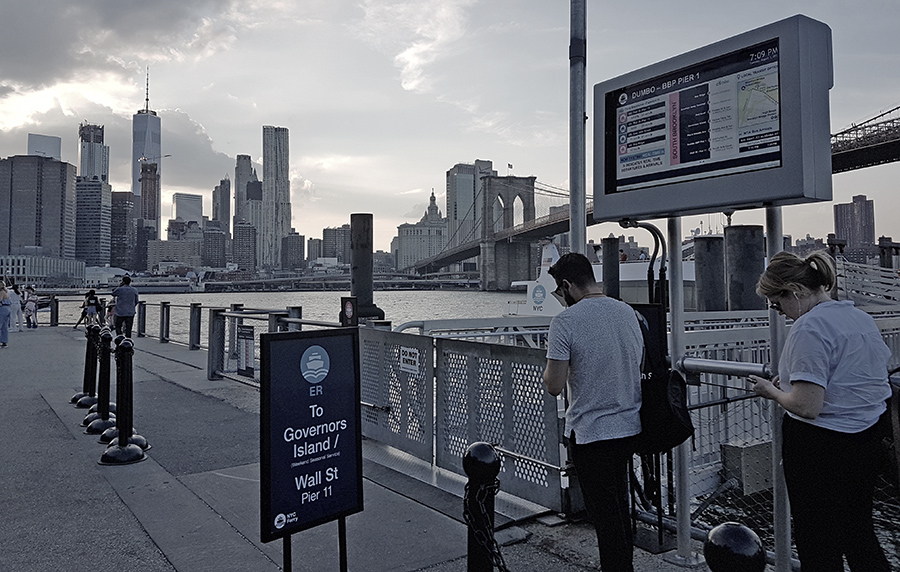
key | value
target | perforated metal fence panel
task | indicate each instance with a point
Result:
(495, 393)
(397, 390)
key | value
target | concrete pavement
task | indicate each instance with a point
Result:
(193, 504)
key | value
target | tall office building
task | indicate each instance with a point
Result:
(93, 218)
(93, 155)
(855, 222)
(37, 206)
(314, 249)
(221, 205)
(146, 149)
(188, 207)
(149, 200)
(122, 230)
(214, 242)
(254, 214)
(243, 174)
(45, 146)
(276, 194)
(292, 251)
(336, 243)
(245, 246)
(464, 188)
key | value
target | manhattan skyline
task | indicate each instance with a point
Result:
(382, 98)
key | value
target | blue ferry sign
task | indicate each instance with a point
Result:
(310, 431)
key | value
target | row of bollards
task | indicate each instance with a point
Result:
(111, 421)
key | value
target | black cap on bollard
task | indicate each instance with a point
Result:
(481, 462)
(732, 547)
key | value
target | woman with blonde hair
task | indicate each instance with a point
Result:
(833, 384)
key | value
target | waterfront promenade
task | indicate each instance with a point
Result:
(193, 505)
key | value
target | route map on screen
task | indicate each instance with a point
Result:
(721, 116)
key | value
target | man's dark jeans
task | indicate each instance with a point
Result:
(127, 322)
(602, 468)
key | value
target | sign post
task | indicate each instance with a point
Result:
(310, 433)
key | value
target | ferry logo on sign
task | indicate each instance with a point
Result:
(538, 295)
(409, 360)
(314, 364)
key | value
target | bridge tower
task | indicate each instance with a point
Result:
(501, 263)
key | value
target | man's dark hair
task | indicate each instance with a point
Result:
(575, 268)
(126, 280)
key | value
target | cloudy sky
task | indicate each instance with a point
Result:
(382, 97)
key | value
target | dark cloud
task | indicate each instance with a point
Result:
(42, 43)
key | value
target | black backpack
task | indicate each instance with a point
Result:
(665, 419)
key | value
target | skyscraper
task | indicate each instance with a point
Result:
(93, 214)
(221, 205)
(336, 243)
(243, 174)
(122, 230)
(293, 249)
(93, 155)
(45, 146)
(37, 206)
(464, 187)
(855, 222)
(276, 194)
(149, 200)
(254, 215)
(146, 148)
(188, 207)
(245, 246)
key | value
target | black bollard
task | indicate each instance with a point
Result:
(732, 547)
(88, 396)
(101, 420)
(482, 465)
(128, 447)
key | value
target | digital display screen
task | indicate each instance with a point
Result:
(719, 117)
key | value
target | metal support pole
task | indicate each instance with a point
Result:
(141, 319)
(781, 512)
(577, 119)
(88, 395)
(54, 311)
(233, 323)
(129, 447)
(295, 312)
(683, 555)
(215, 355)
(164, 312)
(274, 324)
(196, 317)
(101, 420)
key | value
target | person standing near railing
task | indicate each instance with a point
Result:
(15, 309)
(594, 352)
(5, 305)
(126, 303)
(833, 383)
(31, 307)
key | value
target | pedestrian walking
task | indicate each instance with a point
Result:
(17, 305)
(126, 303)
(31, 307)
(594, 352)
(5, 304)
(833, 384)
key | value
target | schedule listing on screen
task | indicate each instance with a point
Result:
(719, 117)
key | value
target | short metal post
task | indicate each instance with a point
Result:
(233, 323)
(215, 355)
(141, 319)
(129, 447)
(196, 316)
(295, 312)
(274, 324)
(482, 465)
(87, 397)
(101, 420)
(54, 311)
(164, 311)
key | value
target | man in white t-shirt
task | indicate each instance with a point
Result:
(594, 352)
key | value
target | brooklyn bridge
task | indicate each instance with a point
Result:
(521, 210)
